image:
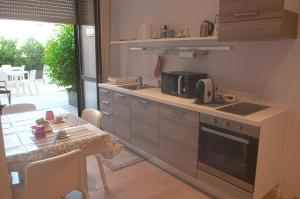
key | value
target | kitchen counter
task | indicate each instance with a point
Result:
(155, 94)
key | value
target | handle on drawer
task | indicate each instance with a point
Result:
(247, 14)
(144, 102)
(105, 102)
(120, 95)
(178, 112)
(106, 113)
(105, 91)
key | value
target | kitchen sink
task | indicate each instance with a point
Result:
(136, 87)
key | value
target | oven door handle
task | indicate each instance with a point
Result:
(230, 137)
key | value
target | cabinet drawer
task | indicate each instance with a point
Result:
(106, 105)
(177, 115)
(255, 30)
(106, 94)
(241, 10)
(178, 138)
(107, 121)
(122, 128)
(144, 125)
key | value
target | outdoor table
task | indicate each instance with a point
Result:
(22, 147)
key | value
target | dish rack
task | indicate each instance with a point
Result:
(123, 80)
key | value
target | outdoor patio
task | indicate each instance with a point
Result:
(47, 96)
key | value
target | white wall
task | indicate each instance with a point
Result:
(266, 70)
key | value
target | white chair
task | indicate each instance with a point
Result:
(18, 108)
(94, 117)
(6, 67)
(56, 177)
(32, 79)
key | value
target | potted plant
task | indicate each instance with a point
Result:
(61, 61)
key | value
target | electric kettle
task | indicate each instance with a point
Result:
(207, 29)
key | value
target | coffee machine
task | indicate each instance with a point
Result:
(204, 91)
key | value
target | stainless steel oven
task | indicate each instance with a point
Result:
(228, 150)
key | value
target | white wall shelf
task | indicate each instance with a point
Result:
(166, 40)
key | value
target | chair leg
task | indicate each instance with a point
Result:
(85, 194)
(102, 172)
(9, 98)
(37, 91)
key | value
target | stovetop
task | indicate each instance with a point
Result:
(243, 108)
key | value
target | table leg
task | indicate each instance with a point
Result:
(102, 172)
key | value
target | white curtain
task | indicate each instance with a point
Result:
(105, 37)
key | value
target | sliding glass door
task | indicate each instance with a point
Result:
(88, 53)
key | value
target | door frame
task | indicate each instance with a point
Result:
(79, 62)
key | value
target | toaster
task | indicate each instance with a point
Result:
(204, 91)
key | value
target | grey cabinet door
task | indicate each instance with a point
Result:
(144, 124)
(122, 115)
(178, 138)
(244, 10)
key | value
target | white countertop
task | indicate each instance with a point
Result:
(155, 94)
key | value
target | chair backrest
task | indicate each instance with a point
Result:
(18, 108)
(32, 75)
(92, 116)
(3, 76)
(55, 177)
(6, 67)
(5, 189)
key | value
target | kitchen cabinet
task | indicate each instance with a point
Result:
(106, 107)
(121, 115)
(178, 138)
(144, 125)
(250, 20)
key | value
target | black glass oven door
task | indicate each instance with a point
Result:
(222, 152)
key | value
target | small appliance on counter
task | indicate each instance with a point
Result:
(204, 91)
(180, 83)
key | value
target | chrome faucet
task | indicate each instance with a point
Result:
(141, 81)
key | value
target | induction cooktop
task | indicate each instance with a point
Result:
(243, 108)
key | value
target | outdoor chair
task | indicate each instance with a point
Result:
(56, 177)
(3, 86)
(32, 79)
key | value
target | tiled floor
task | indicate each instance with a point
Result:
(49, 96)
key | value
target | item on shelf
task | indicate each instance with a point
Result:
(145, 32)
(183, 33)
(216, 31)
(206, 29)
(167, 32)
(123, 80)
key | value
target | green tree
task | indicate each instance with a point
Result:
(32, 54)
(60, 58)
(9, 54)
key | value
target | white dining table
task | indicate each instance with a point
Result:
(22, 147)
